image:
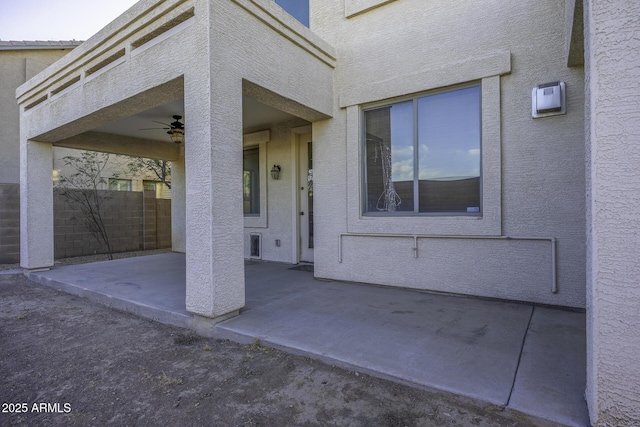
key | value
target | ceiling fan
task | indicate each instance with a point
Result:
(174, 129)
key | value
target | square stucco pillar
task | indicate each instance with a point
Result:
(178, 205)
(214, 216)
(36, 205)
(612, 69)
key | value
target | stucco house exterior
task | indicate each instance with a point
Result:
(479, 148)
(19, 61)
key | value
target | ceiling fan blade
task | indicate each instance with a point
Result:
(155, 128)
(161, 123)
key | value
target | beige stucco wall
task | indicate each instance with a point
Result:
(16, 67)
(532, 169)
(280, 197)
(411, 46)
(613, 186)
(299, 72)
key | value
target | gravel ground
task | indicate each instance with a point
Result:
(66, 361)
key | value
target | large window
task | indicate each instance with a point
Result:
(423, 155)
(251, 181)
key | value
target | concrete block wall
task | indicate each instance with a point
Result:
(130, 218)
(9, 223)
(149, 220)
(163, 223)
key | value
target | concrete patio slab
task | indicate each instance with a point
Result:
(150, 286)
(548, 383)
(467, 346)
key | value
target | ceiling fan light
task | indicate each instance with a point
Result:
(177, 136)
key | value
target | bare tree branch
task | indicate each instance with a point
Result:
(81, 190)
(160, 168)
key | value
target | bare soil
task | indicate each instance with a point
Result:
(92, 365)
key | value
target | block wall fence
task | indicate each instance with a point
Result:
(134, 220)
(9, 223)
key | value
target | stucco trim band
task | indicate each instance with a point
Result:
(288, 27)
(356, 7)
(144, 14)
(495, 64)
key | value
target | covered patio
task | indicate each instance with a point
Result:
(225, 87)
(522, 356)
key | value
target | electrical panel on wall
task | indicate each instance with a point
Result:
(549, 99)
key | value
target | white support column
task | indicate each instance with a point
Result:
(214, 218)
(36, 205)
(612, 69)
(178, 205)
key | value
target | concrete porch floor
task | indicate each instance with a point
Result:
(528, 358)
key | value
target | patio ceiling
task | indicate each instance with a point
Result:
(254, 115)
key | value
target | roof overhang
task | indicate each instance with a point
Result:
(39, 44)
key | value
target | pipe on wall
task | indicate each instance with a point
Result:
(415, 237)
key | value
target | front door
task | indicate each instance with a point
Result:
(305, 179)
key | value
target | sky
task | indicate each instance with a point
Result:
(57, 19)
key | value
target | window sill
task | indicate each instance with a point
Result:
(255, 221)
(428, 224)
(460, 215)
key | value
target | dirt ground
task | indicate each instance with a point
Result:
(67, 361)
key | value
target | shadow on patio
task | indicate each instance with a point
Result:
(525, 357)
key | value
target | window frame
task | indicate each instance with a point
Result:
(145, 182)
(161, 190)
(414, 98)
(354, 99)
(118, 182)
(250, 141)
(255, 192)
